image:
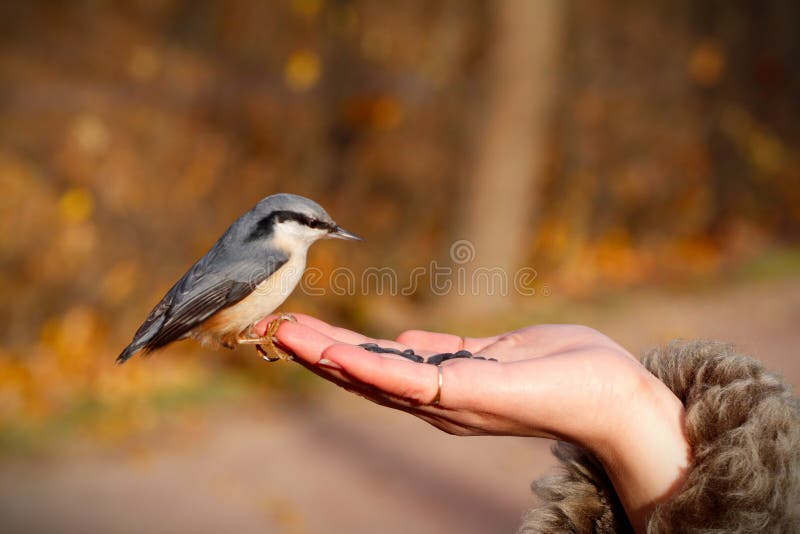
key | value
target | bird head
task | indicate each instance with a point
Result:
(292, 220)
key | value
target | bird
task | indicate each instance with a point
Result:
(244, 277)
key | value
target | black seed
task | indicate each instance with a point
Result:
(373, 347)
(492, 359)
(463, 354)
(478, 358)
(436, 359)
(408, 353)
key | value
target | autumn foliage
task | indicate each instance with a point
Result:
(133, 133)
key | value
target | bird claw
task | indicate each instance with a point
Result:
(272, 353)
(271, 348)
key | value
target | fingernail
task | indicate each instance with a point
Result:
(325, 362)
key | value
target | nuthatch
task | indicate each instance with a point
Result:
(248, 273)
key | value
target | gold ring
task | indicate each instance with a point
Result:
(438, 397)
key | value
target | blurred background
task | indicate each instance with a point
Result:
(639, 160)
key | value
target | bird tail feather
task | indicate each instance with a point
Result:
(129, 351)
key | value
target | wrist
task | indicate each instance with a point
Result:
(646, 453)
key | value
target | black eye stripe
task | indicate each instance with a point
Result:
(282, 216)
(265, 226)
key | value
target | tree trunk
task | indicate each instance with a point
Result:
(501, 200)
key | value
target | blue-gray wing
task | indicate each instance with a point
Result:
(213, 283)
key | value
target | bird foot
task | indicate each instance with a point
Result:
(270, 351)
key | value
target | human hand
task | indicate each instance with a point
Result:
(549, 380)
(558, 381)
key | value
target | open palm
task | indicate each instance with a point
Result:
(558, 381)
(561, 381)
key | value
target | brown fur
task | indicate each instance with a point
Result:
(581, 499)
(743, 425)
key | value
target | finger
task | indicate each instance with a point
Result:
(401, 378)
(307, 343)
(261, 326)
(452, 422)
(331, 374)
(310, 345)
(437, 342)
(337, 376)
(342, 335)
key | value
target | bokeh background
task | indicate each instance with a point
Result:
(641, 158)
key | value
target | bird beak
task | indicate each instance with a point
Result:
(341, 233)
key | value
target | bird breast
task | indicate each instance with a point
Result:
(224, 327)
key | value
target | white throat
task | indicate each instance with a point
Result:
(292, 236)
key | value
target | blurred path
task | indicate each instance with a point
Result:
(762, 319)
(338, 464)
